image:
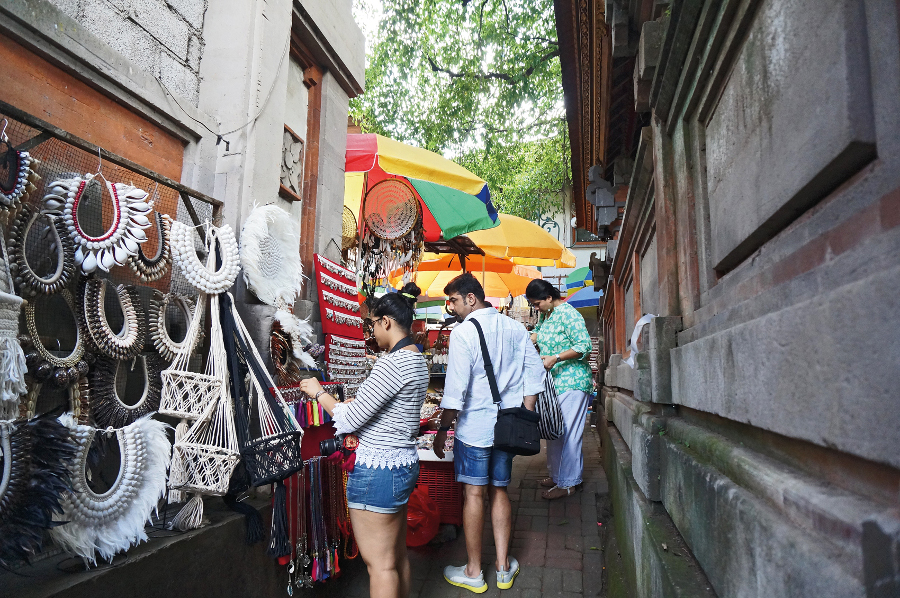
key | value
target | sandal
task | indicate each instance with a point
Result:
(547, 483)
(557, 492)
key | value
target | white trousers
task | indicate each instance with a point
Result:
(564, 458)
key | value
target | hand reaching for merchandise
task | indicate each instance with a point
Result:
(310, 386)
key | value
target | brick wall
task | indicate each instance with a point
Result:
(162, 37)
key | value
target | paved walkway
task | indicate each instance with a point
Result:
(556, 542)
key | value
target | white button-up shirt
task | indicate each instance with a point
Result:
(517, 367)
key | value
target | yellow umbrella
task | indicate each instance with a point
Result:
(520, 239)
(433, 275)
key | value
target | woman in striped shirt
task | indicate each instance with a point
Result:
(385, 418)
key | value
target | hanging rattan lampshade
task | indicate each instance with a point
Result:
(348, 229)
(391, 209)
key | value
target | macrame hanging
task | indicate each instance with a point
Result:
(33, 477)
(107, 407)
(159, 333)
(128, 342)
(12, 358)
(270, 258)
(20, 178)
(29, 283)
(103, 524)
(205, 278)
(393, 236)
(206, 456)
(274, 454)
(124, 236)
(44, 365)
(150, 269)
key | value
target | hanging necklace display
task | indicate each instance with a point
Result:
(21, 175)
(105, 523)
(107, 406)
(44, 365)
(150, 269)
(204, 278)
(337, 285)
(127, 343)
(345, 319)
(159, 334)
(338, 301)
(33, 478)
(204, 459)
(29, 283)
(124, 236)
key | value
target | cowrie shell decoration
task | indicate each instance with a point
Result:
(112, 248)
(211, 283)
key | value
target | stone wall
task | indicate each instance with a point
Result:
(161, 37)
(759, 420)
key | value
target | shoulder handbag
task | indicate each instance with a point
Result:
(516, 430)
(552, 424)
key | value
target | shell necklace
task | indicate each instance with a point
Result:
(153, 268)
(107, 406)
(127, 343)
(29, 283)
(201, 277)
(159, 334)
(122, 239)
(109, 522)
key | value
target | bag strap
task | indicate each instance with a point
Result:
(488, 366)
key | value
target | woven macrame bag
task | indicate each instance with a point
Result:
(12, 359)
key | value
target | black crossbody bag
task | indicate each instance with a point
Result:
(516, 430)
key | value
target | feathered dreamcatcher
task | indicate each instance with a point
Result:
(33, 477)
(270, 257)
(394, 236)
(103, 524)
(124, 236)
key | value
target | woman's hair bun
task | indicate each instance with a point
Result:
(410, 292)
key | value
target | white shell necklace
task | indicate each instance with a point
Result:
(201, 277)
(112, 248)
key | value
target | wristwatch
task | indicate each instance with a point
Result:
(319, 394)
(558, 358)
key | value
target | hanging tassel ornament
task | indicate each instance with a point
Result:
(280, 542)
(191, 515)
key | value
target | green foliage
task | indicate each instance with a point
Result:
(478, 81)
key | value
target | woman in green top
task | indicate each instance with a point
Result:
(565, 347)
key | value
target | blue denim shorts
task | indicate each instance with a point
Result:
(381, 490)
(475, 465)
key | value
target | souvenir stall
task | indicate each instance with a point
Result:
(117, 326)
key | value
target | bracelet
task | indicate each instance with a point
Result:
(319, 394)
(444, 428)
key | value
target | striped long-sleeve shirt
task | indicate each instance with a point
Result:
(385, 414)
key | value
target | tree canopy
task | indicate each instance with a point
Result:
(476, 80)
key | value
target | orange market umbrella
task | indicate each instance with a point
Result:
(523, 241)
(500, 277)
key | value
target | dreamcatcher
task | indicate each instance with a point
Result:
(95, 523)
(270, 259)
(33, 478)
(394, 236)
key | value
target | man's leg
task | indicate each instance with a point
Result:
(473, 527)
(501, 520)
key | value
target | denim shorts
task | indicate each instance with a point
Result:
(381, 490)
(475, 465)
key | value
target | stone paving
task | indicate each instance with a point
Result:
(557, 543)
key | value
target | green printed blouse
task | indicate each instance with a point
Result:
(562, 330)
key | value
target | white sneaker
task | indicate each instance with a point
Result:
(505, 578)
(457, 576)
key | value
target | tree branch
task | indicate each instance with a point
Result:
(509, 78)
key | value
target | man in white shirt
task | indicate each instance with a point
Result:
(519, 373)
